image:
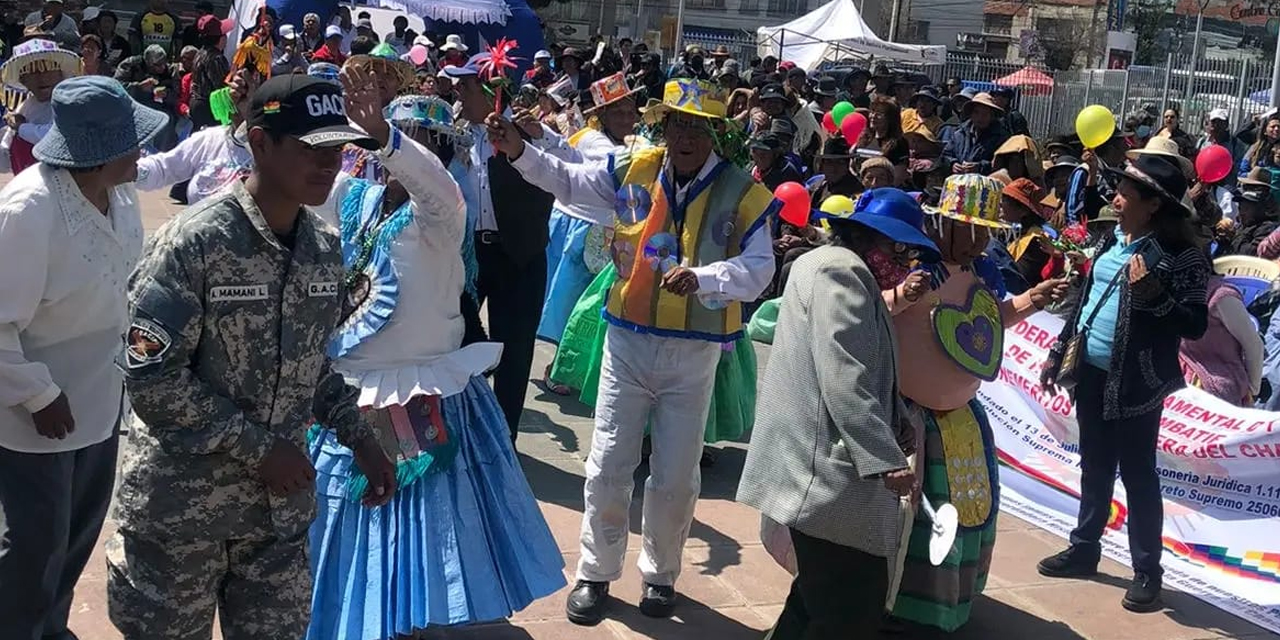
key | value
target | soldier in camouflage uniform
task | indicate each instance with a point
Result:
(232, 307)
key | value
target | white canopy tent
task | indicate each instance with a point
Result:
(835, 30)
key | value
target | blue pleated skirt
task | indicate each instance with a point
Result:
(462, 545)
(567, 273)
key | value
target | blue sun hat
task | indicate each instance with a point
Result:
(897, 216)
(95, 122)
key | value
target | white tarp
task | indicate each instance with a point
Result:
(834, 30)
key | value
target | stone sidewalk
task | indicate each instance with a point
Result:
(732, 589)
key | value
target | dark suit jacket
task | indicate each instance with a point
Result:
(521, 209)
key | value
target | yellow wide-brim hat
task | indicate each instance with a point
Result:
(686, 95)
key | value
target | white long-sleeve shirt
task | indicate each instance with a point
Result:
(210, 159)
(593, 146)
(63, 310)
(481, 151)
(742, 278)
(417, 352)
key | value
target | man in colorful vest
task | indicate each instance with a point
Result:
(690, 243)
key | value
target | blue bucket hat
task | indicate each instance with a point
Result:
(897, 216)
(95, 122)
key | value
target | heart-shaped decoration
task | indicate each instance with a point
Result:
(972, 335)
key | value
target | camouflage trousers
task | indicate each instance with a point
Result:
(168, 589)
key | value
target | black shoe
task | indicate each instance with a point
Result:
(1078, 561)
(892, 625)
(1143, 595)
(658, 601)
(587, 603)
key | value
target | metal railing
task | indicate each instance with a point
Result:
(1240, 86)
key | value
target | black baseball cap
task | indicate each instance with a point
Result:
(307, 108)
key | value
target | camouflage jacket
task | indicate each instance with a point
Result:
(225, 354)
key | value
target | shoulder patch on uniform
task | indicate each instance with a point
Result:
(239, 293)
(146, 343)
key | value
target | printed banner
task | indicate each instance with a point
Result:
(1219, 467)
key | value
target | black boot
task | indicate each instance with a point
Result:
(658, 601)
(587, 603)
(1143, 595)
(1078, 561)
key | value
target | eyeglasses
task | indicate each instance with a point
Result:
(903, 249)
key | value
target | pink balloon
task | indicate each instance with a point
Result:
(829, 122)
(795, 203)
(418, 54)
(1213, 163)
(852, 127)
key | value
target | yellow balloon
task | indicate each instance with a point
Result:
(1094, 125)
(837, 205)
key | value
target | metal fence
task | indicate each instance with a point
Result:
(1241, 86)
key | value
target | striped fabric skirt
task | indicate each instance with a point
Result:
(959, 468)
(461, 542)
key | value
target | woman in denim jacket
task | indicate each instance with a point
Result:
(1130, 365)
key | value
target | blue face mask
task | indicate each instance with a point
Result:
(1144, 131)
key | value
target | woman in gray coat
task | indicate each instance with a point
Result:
(828, 458)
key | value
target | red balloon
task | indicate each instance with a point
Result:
(795, 203)
(829, 122)
(1213, 163)
(852, 127)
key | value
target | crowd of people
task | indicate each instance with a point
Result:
(318, 427)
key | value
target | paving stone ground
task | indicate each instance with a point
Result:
(732, 589)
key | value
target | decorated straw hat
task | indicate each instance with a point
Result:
(38, 56)
(690, 96)
(972, 199)
(408, 111)
(385, 57)
(609, 90)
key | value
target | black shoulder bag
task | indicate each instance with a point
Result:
(1073, 355)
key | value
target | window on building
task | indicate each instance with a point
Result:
(788, 7)
(998, 24)
(917, 31)
(705, 4)
(749, 6)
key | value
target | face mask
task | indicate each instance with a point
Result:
(1144, 131)
(888, 273)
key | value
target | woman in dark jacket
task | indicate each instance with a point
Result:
(1156, 273)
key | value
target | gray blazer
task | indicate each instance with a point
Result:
(828, 416)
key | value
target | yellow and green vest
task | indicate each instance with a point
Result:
(650, 238)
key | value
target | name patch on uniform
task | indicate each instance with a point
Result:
(238, 293)
(323, 289)
(146, 343)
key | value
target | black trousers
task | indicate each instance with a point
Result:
(54, 505)
(514, 293)
(838, 593)
(1129, 444)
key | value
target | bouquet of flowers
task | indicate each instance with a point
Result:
(1072, 239)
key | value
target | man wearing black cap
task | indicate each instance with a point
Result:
(855, 89)
(231, 309)
(882, 79)
(825, 95)
(570, 66)
(1014, 122)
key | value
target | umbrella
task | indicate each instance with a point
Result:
(1032, 81)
